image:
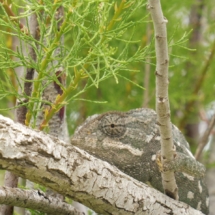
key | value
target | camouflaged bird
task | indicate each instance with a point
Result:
(130, 141)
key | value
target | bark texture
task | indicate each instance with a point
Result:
(162, 100)
(36, 199)
(78, 175)
(11, 180)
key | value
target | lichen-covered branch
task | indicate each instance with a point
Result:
(78, 175)
(162, 100)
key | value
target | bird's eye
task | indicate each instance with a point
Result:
(113, 125)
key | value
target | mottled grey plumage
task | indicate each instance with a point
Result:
(130, 141)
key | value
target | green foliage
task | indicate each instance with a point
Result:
(92, 30)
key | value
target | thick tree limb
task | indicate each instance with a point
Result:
(78, 175)
(162, 100)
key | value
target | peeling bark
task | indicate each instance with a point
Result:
(74, 173)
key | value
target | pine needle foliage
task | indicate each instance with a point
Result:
(91, 31)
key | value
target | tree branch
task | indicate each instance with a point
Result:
(74, 173)
(147, 68)
(162, 100)
(29, 76)
(197, 87)
(204, 139)
(11, 180)
(12, 16)
(37, 200)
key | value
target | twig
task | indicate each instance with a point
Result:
(204, 139)
(12, 16)
(43, 65)
(197, 86)
(118, 11)
(162, 101)
(22, 111)
(147, 69)
(59, 102)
